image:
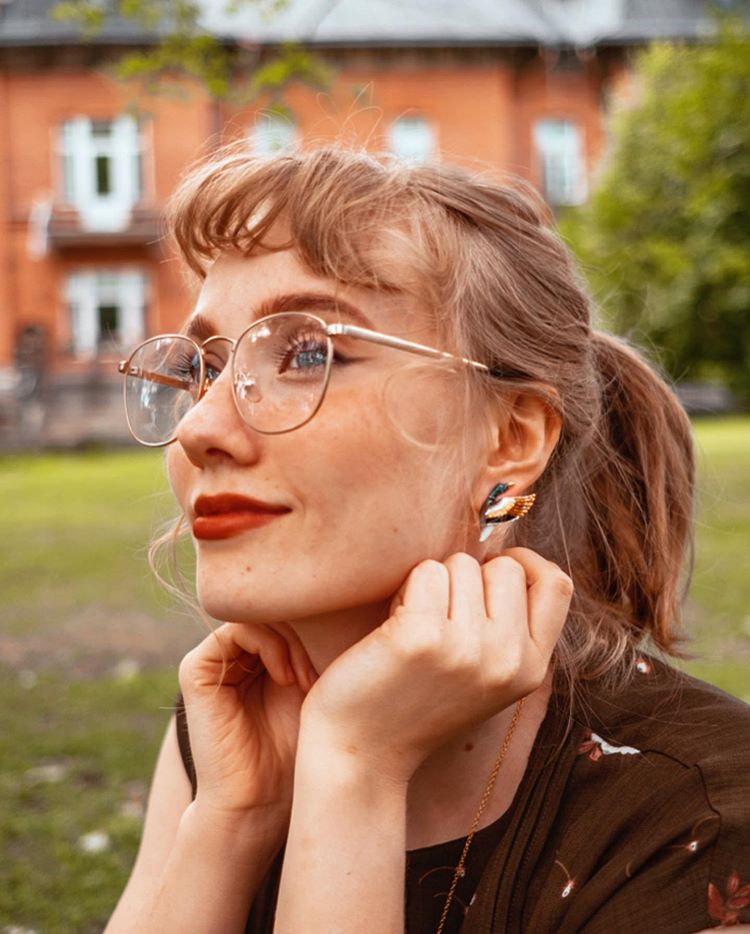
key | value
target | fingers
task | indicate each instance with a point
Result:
(301, 663)
(519, 586)
(426, 590)
(467, 600)
(227, 656)
(549, 591)
(505, 589)
(452, 589)
(272, 648)
(516, 604)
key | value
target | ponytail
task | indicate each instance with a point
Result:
(632, 568)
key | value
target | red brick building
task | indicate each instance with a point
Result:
(85, 165)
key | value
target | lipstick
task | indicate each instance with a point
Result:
(229, 514)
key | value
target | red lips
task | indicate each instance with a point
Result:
(228, 514)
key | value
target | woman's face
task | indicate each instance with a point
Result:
(364, 503)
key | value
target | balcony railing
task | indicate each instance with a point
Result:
(65, 230)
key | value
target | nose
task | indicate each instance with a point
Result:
(213, 430)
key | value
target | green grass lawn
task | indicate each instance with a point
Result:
(79, 733)
(718, 612)
(75, 756)
(81, 527)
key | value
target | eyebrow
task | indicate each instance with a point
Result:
(200, 327)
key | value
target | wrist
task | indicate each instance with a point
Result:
(347, 835)
(325, 754)
(256, 831)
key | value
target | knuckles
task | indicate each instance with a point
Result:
(461, 561)
(430, 568)
(563, 585)
(188, 669)
(504, 564)
(518, 667)
(420, 639)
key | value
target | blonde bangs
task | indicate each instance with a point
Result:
(350, 217)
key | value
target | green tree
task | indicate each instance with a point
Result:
(665, 238)
(179, 46)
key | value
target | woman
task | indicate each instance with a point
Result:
(446, 519)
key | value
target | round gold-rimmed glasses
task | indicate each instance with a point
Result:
(280, 368)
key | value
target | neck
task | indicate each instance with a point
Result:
(329, 635)
(446, 789)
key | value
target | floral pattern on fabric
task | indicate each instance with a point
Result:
(697, 837)
(570, 882)
(726, 908)
(596, 747)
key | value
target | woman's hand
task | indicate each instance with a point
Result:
(244, 723)
(463, 642)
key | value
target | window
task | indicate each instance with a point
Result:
(106, 310)
(412, 139)
(101, 170)
(559, 148)
(273, 133)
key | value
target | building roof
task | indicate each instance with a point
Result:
(369, 23)
(469, 22)
(29, 23)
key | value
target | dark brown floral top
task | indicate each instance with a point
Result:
(633, 816)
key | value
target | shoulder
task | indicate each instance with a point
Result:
(665, 712)
(682, 736)
(676, 767)
(664, 748)
(653, 822)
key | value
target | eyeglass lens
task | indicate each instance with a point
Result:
(279, 369)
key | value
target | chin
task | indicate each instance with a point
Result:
(269, 604)
(228, 608)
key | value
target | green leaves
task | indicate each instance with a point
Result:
(176, 46)
(666, 236)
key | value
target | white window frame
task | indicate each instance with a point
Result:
(272, 134)
(89, 289)
(412, 138)
(560, 152)
(80, 146)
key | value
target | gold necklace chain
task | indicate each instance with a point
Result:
(482, 804)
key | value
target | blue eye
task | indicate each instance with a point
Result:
(304, 359)
(301, 354)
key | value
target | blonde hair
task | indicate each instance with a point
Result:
(614, 505)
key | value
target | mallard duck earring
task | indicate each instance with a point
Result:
(506, 509)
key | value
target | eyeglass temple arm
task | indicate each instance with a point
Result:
(153, 377)
(351, 330)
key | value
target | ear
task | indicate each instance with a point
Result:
(521, 440)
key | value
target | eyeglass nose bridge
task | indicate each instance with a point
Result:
(207, 382)
(244, 390)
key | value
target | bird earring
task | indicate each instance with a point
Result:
(498, 508)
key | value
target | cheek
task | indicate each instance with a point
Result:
(424, 407)
(386, 454)
(178, 470)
